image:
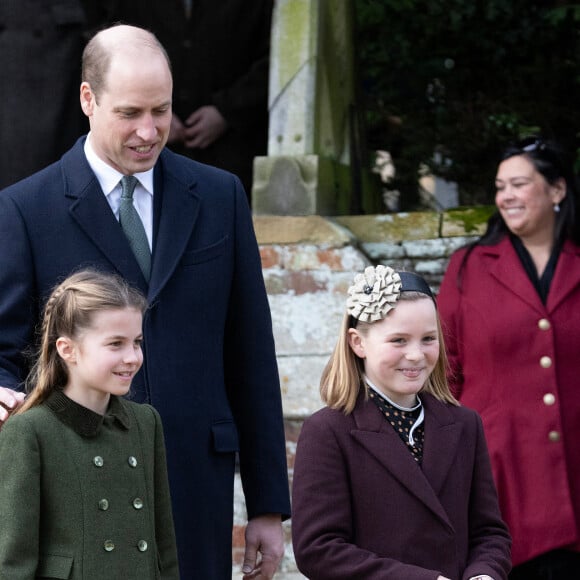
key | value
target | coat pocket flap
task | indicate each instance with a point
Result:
(53, 566)
(225, 437)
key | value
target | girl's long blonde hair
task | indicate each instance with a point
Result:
(68, 311)
(342, 377)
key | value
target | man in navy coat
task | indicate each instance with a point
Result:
(210, 366)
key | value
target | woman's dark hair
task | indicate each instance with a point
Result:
(552, 162)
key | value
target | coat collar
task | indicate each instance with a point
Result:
(504, 265)
(442, 435)
(175, 199)
(83, 421)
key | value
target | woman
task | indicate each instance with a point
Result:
(510, 305)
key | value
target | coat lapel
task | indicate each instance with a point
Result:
(505, 266)
(566, 277)
(176, 215)
(379, 439)
(90, 210)
(442, 439)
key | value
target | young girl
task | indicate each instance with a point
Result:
(392, 479)
(83, 483)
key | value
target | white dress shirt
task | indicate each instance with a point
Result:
(109, 180)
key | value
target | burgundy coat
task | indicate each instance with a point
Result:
(516, 362)
(363, 508)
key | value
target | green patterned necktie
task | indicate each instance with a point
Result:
(133, 226)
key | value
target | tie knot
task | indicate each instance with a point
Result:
(128, 183)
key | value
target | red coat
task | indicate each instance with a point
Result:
(517, 363)
(363, 507)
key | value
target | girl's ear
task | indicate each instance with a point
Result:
(356, 342)
(66, 349)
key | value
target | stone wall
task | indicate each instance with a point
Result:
(308, 263)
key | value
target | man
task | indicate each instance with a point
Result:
(210, 365)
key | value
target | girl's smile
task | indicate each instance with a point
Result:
(400, 351)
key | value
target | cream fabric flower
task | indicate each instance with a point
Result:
(373, 293)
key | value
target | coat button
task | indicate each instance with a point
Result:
(109, 545)
(142, 545)
(546, 362)
(137, 503)
(98, 461)
(544, 324)
(549, 399)
(132, 461)
(554, 436)
(104, 504)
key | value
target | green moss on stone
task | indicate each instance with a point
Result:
(471, 219)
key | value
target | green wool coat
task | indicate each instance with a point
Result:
(84, 496)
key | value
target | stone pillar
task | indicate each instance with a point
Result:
(312, 113)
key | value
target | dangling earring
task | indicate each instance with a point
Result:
(556, 207)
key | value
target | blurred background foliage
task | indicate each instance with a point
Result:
(445, 84)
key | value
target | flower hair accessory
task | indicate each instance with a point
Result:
(373, 293)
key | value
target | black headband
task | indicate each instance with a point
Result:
(411, 282)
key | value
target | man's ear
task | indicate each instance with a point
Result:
(88, 100)
(356, 342)
(66, 349)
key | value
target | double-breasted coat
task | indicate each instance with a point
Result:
(364, 508)
(515, 360)
(85, 496)
(209, 360)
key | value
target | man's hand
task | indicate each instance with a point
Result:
(264, 535)
(9, 401)
(203, 127)
(176, 130)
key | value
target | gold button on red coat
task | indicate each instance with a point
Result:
(546, 362)
(554, 436)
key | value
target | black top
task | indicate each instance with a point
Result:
(541, 283)
(402, 422)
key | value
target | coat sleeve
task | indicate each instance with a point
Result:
(489, 540)
(164, 528)
(251, 376)
(322, 516)
(449, 306)
(20, 476)
(18, 309)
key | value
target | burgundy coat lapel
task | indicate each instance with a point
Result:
(442, 440)
(566, 277)
(378, 438)
(505, 266)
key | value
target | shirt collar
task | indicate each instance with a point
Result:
(107, 176)
(83, 421)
